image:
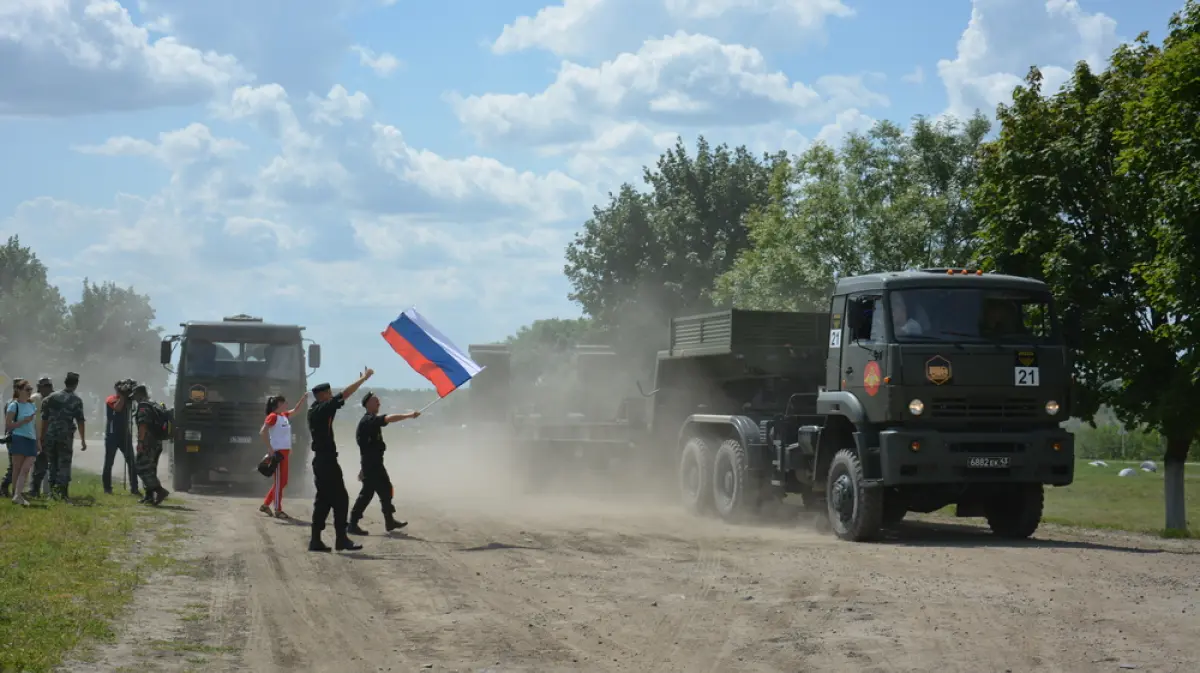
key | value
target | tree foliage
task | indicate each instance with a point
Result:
(885, 200)
(107, 335)
(1084, 189)
(658, 252)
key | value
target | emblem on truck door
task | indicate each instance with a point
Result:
(197, 393)
(872, 377)
(937, 370)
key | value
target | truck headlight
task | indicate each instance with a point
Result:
(191, 435)
(1052, 407)
(916, 407)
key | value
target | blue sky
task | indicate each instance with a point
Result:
(332, 162)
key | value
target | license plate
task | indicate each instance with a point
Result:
(240, 440)
(987, 462)
(193, 448)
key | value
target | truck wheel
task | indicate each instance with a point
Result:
(181, 476)
(855, 512)
(1016, 514)
(734, 494)
(695, 475)
(895, 506)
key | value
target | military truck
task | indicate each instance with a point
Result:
(226, 371)
(917, 390)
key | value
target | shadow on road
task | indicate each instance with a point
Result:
(492, 546)
(936, 534)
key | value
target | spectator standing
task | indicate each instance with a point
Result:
(277, 433)
(19, 418)
(62, 413)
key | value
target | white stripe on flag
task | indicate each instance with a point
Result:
(472, 368)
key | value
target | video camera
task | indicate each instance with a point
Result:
(125, 387)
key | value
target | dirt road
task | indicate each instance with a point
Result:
(494, 582)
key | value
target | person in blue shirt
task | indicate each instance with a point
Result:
(19, 416)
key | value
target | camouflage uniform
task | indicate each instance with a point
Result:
(149, 451)
(61, 411)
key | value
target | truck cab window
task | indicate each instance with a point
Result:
(866, 318)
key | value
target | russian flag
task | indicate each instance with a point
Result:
(429, 352)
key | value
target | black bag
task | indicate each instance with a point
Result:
(270, 463)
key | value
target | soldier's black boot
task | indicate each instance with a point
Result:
(392, 524)
(160, 494)
(344, 543)
(316, 544)
(353, 528)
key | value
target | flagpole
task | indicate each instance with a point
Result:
(435, 401)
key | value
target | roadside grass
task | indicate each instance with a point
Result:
(1100, 499)
(69, 570)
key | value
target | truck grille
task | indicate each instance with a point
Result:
(999, 448)
(225, 416)
(962, 407)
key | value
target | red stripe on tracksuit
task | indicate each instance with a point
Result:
(275, 495)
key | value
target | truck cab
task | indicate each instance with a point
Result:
(942, 386)
(225, 372)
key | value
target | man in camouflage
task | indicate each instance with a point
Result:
(149, 448)
(62, 411)
(44, 388)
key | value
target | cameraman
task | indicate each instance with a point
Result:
(117, 435)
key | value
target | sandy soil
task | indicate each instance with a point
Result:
(490, 581)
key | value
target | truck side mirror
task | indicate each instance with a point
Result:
(164, 353)
(314, 355)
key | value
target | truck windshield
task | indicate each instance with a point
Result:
(972, 315)
(224, 359)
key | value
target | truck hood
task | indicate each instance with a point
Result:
(947, 367)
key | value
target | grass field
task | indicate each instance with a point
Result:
(69, 570)
(1101, 499)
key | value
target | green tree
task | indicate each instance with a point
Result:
(110, 335)
(1056, 204)
(33, 311)
(646, 255)
(1159, 146)
(885, 200)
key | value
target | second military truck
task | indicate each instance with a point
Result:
(917, 390)
(225, 373)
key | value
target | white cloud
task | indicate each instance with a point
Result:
(339, 104)
(74, 57)
(1005, 37)
(193, 143)
(681, 79)
(847, 121)
(917, 76)
(383, 64)
(584, 27)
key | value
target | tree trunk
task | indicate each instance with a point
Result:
(1173, 481)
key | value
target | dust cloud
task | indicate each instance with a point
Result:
(490, 465)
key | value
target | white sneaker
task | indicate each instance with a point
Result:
(21, 501)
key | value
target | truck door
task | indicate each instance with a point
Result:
(863, 348)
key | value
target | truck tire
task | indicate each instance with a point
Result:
(855, 511)
(895, 507)
(1016, 514)
(181, 476)
(735, 496)
(695, 475)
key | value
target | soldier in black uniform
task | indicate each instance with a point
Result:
(327, 474)
(375, 478)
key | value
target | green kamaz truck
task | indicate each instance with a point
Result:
(917, 390)
(226, 371)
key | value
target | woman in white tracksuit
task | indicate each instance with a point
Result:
(277, 433)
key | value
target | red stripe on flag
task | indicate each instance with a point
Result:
(419, 362)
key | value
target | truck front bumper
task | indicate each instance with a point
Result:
(926, 456)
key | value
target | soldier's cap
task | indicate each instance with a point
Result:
(320, 388)
(71, 378)
(45, 381)
(366, 398)
(140, 388)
